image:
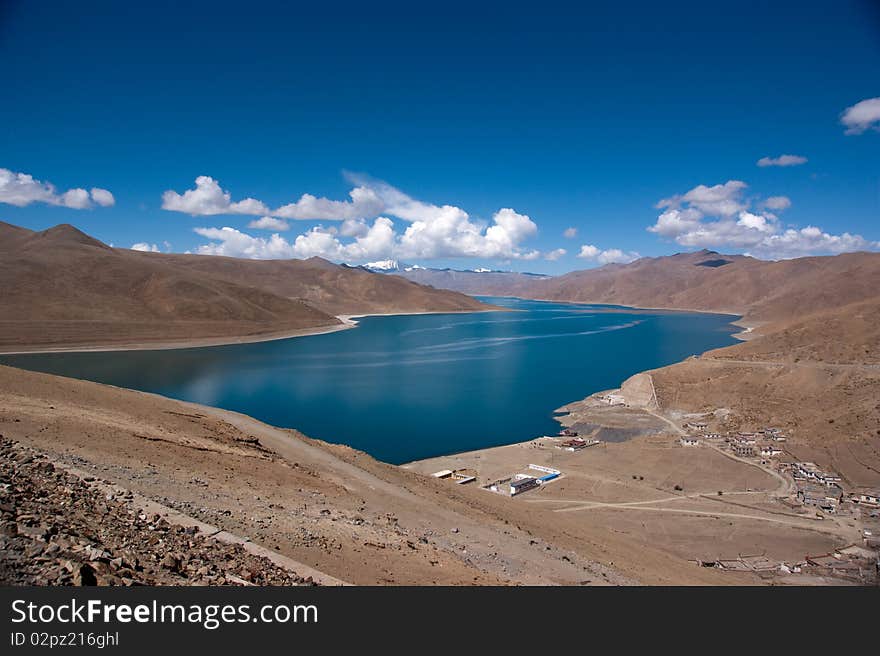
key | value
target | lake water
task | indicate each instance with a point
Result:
(408, 387)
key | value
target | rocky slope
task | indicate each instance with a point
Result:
(56, 529)
(326, 507)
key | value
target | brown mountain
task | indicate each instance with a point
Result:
(760, 290)
(62, 288)
(329, 287)
(816, 377)
(706, 280)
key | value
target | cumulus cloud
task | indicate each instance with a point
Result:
(145, 247)
(717, 200)
(102, 197)
(778, 203)
(234, 243)
(570, 233)
(375, 243)
(269, 223)
(609, 256)
(208, 199)
(782, 160)
(719, 216)
(433, 231)
(555, 254)
(809, 241)
(448, 232)
(862, 116)
(353, 228)
(21, 189)
(364, 203)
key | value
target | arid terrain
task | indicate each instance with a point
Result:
(62, 289)
(759, 290)
(327, 507)
(810, 360)
(643, 505)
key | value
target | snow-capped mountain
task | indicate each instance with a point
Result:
(383, 265)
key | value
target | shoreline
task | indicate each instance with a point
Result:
(347, 321)
(204, 342)
(748, 325)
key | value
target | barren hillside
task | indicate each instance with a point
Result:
(327, 507)
(818, 378)
(63, 288)
(331, 288)
(705, 280)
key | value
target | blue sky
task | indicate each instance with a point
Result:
(476, 134)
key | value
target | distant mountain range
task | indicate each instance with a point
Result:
(481, 281)
(703, 280)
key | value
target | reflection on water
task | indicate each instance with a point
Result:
(409, 387)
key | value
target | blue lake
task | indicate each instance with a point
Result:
(408, 387)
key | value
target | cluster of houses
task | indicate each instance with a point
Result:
(816, 487)
(577, 443)
(613, 399)
(743, 444)
(536, 476)
(853, 562)
(574, 443)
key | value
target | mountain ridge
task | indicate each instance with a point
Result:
(64, 288)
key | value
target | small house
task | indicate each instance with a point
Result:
(520, 485)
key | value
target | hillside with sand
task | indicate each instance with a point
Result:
(707, 281)
(63, 288)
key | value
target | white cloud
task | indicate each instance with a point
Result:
(782, 160)
(810, 241)
(717, 200)
(364, 203)
(447, 231)
(609, 256)
(353, 228)
(21, 189)
(269, 223)
(103, 197)
(756, 222)
(434, 231)
(862, 116)
(208, 199)
(77, 199)
(589, 252)
(145, 247)
(555, 254)
(376, 243)
(617, 256)
(570, 233)
(233, 243)
(777, 203)
(702, 218)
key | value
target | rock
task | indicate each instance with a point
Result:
(84, 575)
(171, 562)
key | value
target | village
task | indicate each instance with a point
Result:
(805, 491)
(813, 488)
